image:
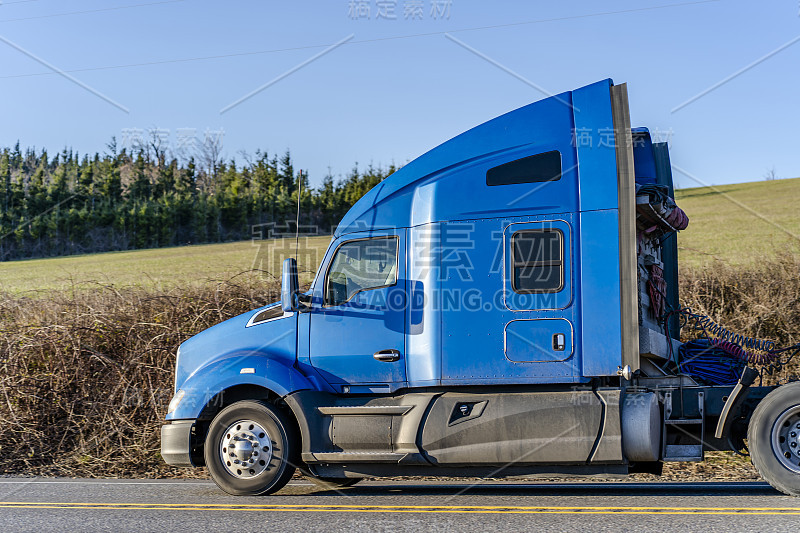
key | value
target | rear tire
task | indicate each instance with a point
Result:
(773, 438)
(251, 449)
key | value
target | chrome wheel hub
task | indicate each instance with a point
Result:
(245, 449)
(786, 438)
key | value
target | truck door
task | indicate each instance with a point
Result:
(538, 290)
(357, 323)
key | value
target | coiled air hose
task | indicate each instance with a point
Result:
(719, 355)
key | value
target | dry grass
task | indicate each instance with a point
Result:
(760, 300)
(86, 375)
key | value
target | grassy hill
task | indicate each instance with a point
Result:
(740, 224)
(733, 224)
(162, 268)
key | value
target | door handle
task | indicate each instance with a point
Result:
(387, 356)
(559, 342)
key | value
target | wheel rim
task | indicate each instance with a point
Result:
(786, 438)
(245, 449)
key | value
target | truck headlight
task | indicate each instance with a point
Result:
(173, 404)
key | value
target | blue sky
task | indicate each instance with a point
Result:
(381, 101)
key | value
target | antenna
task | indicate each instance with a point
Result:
(297, 223)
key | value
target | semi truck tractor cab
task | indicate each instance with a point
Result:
(505, 304)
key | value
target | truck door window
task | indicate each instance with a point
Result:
(361, 265)
(537, 261)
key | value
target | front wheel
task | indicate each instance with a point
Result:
(251, 449)
(774, 438)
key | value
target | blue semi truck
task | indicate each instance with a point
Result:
(505, 304)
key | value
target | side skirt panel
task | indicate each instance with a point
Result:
(577, 427)
(359, 470)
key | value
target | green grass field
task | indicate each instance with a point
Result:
(740, 224)
(735, 224)
(162, 267)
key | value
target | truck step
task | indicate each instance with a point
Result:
(674, 437)
(683, 452)
(682, 421)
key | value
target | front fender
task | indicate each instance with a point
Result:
(221, 374)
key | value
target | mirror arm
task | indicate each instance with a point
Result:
(303, 302)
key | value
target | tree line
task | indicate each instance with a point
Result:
(141, 198)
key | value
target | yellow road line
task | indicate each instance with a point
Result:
(564, 512)
(437, 509)
(501, 507)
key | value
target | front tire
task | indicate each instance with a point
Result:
(251, 449)
(773, 438)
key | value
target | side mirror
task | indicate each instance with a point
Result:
(290, 287)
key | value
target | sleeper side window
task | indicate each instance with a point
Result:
(361, 265)
(537, 261)
(532, 169)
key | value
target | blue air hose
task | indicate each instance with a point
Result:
(702, 359)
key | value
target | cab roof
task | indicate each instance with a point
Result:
(450, 182)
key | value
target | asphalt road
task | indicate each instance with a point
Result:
(128, 505)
